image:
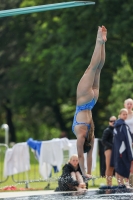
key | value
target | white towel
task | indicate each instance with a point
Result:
(17, 159)
(122, 147)
(45, 159)
(58, 146)
(51, 154)
(94, 154)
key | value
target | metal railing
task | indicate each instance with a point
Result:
(32, 175)
(26, 177)
(29, 176)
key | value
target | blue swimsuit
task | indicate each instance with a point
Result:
(87, 106)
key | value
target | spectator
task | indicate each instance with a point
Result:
(71, 178)
(107, 141)
(128, 104)
(122, 154)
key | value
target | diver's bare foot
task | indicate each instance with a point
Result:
(104, 33)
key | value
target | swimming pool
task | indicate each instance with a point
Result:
(123, 194)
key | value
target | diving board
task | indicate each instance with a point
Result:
(41, 8)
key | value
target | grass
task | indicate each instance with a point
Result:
(37, 182)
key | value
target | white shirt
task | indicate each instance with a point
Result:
(129, 122)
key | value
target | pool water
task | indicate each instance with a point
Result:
(121, 194)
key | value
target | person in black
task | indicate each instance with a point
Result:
(71, 178)
(107, 141)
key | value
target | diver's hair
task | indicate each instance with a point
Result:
(129, 99)
(121, 111)
(91, 131)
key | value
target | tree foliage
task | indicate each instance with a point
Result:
(43, 56)
(122, 88)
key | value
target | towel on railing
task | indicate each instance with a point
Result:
(36, 146)
(17, 159)
(51, 154)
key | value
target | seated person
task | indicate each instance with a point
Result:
(71, 178)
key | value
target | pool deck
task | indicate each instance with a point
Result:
(28, 193)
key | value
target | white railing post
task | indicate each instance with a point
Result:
(6, 128)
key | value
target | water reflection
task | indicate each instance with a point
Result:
(108, 194)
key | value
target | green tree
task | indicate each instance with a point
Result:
(44, 55)
(13, 40)
(122, 88)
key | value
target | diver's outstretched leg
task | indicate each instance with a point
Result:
(84, 89)
(96, 83)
